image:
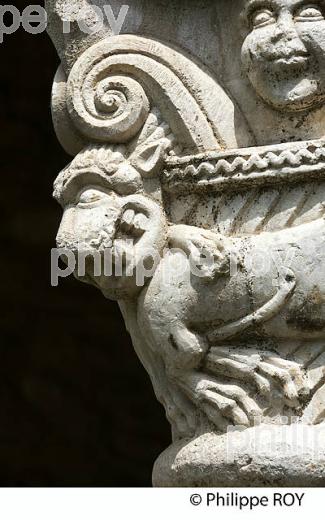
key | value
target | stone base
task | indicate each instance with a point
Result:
(263, 456)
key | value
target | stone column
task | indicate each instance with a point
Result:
(196, 200)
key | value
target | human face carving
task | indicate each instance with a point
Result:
(283, 53)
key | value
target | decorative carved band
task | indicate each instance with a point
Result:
(231, 170)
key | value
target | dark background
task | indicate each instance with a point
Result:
(76, 406)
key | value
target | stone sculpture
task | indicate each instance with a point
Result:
(200, 160)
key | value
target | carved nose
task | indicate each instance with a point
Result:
(286, 39)
(285, 29)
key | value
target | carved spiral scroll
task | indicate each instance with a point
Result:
(113, 108)
(111, 87)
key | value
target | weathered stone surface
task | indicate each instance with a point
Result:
(199, 177)
(266, 456)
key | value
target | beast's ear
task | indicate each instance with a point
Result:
(149, 158)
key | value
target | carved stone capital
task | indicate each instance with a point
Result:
(197, 194)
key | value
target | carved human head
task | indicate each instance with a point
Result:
(283, 53)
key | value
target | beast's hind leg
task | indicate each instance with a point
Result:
(224, 404)
(186, 349)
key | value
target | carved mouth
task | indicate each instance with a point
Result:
(292, 60)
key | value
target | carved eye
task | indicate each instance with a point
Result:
(309, 13)
(262, 17)
(90, 196)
